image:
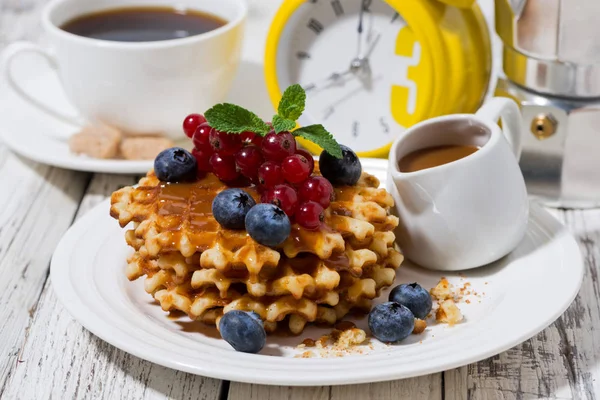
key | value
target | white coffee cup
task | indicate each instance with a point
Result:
(139, 87)
(469, 212)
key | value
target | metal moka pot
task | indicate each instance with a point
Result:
(551, 61)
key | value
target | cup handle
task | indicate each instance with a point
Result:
(9, 54)
(508, 111)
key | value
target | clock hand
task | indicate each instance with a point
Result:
(330, 109)
(364, 5)
(331, 79)
(373, 45)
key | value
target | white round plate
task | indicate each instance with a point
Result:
(513, 304)
(33, 134)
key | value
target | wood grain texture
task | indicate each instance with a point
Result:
(62, 360)
(45, 354)
(37, 204)
(427, 387)
(563, 361)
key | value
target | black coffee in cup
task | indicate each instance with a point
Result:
(142, 24)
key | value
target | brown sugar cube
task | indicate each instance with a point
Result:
(97, 141)
(144, 147)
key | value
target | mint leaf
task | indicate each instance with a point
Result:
(235, 119)
(281, 124)
(319, 135)
(292, 102)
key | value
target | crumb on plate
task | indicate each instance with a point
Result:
(448, 312)
(443, 290)
(420, 326)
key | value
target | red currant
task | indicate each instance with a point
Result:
(248, 159)
(277, 146)
(269, 174)
(224, 167)
(251, 138)
(201, 137)
(283, 196)
(310, 215)
(309, 157)
(203, 158)
(317, 189)
(295, 168)
(225, 143)
(191, 122)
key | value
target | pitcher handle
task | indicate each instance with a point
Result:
(507, 110)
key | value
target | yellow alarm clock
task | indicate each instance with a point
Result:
(372, 68)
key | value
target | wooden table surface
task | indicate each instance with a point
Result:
(45, 354)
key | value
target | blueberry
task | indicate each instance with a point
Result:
(230, 207)
(391, 322)
(268, 224)
(413, 297)
(175, 165)
(341, 171)
(243, 330)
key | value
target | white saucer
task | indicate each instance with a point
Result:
(40, 137)
(520, 295)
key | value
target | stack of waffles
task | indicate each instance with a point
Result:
(193, 265)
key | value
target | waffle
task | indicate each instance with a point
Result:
(192, 264)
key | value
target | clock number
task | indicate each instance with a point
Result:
(384, 125)
(337, 7)
(355, 126)
(397, 17)
(309, 87)
(302, 55)
(328, 112)
(366, 4)
(315, 26)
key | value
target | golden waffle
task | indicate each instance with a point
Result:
(193, 265)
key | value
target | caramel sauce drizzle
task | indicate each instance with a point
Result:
(188, 207)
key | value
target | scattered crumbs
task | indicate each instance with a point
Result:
(306, 354)
(420, 326)
(443, 290)
(340, 342)
(485, 283)
(448, 312)
(420, 342)
(468, 301)
(322, 342)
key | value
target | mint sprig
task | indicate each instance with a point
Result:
(319, 136)
(281, 124)
(235, 119)
(292, 103)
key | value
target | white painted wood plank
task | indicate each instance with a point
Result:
(62, 360)
(37, 204)
(422, 388)
(244, 391)
(563, 361)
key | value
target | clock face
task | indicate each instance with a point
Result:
(343, 52)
